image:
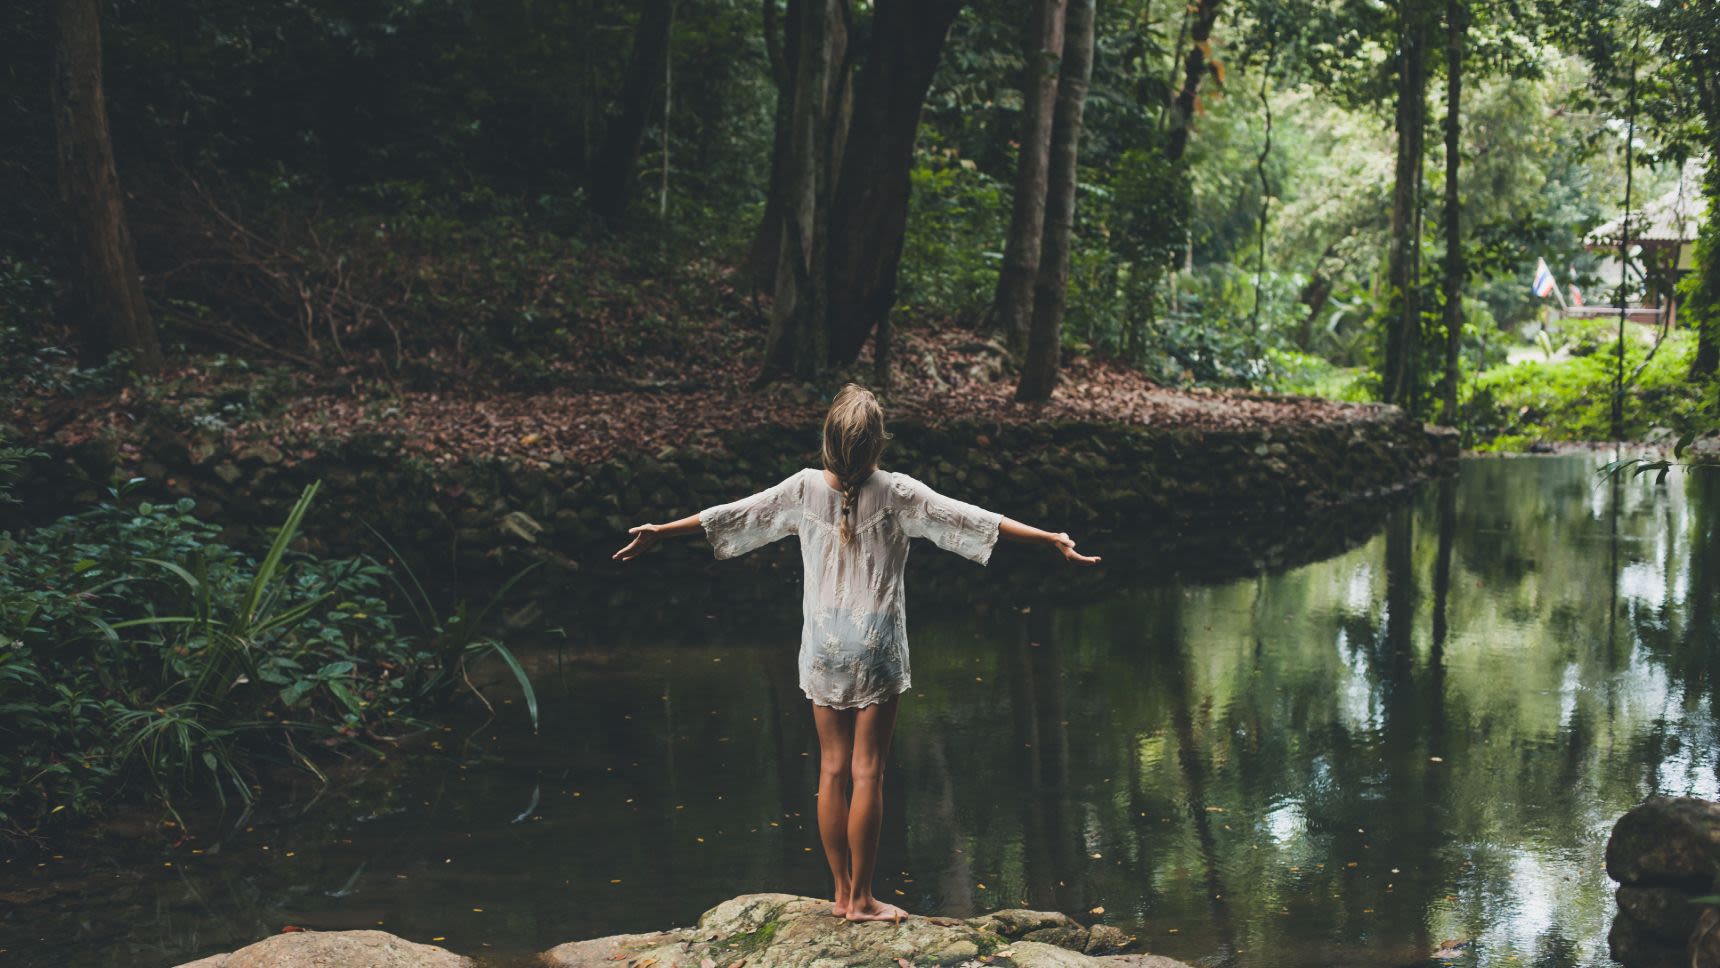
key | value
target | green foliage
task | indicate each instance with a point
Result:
(12, 461)
(953, 249)
(1309, 375)
(139, 652)
(1570, 399)
(1699, 291)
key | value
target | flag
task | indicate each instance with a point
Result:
(1576, 295)
(1543, 285)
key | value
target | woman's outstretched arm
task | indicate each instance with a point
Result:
(1016, 531)
(646, 535)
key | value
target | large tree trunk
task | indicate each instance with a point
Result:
(766, 249)
(1012, 307)
(798, 341)
(1401, 377)
(1456, 25)
(613, 171)
(869, 210)
(105, 294)
(1195, 67)
(1051, 286)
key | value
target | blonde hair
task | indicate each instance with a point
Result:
(853, 438)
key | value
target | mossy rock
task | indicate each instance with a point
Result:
(786, 931)
(1670, 841)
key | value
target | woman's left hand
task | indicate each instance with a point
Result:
(1066, 548)
(644, 536)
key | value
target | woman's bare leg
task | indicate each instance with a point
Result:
(835, 750)
(872, 728)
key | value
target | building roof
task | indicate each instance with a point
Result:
(1671, 218)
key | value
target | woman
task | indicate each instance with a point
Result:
(854, 522)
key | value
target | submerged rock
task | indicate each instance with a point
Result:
(786, 931)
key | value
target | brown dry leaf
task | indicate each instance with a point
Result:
(1097, 910)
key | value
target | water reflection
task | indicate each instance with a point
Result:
(1345, 745)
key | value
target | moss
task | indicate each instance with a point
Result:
(759, 937)
(987, 942)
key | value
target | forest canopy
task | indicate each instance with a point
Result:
(1339, 197)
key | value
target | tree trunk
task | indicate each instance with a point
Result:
(614, 170)
(106, 295)
(1707, 296)
(766, 249)
(1401, 378)
(1315, 294)
(1051, 286)
(1456, 26)
(1265, 194)
(1012, 307)
(869, 209)
(766, 254)
(1195, 67)
(799, 331)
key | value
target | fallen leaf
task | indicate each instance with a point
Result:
(1097, 910)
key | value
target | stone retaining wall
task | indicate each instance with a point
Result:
(481, 515)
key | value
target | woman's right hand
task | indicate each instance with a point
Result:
(1066, 547)
(644, 536)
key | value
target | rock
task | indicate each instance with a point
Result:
(199, 450)
(605, 951)
(786, 931)
(1662, 912)
(335, 949)
(1633, 948)
(1669, 841)
(1102, 938)
(1704, 947)
(228, 472)
(1016, 923)
(1074, 938)
(260, 451)
(1142, 961)
(1036, 954)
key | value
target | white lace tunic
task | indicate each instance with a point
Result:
(853, 639)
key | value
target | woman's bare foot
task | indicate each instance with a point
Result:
(840, 907)
(875, 910)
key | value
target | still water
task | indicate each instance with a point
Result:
(1345, 741)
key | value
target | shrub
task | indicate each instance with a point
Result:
(1513, 405)
(138, 653)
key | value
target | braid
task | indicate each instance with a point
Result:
(853, 437)
(846, 529)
